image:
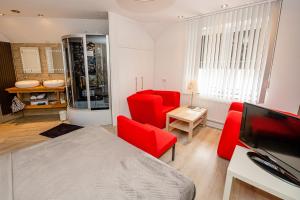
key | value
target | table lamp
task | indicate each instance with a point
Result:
(192, 88)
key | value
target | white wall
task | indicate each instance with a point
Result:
(169, 57)
(47, 30)
(3, 38)
(284, 91)
(132, 55)
(169, 62)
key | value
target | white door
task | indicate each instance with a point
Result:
(135, 74)
(145, 69)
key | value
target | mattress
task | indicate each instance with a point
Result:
(89, 164)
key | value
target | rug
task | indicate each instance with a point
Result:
(59, 130)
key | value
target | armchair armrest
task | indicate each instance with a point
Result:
(170, 98)
(230, 134)
(236, 106)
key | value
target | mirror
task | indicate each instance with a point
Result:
(54, 60)
(30, 59)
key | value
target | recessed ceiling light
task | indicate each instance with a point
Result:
(2, 14)
(15, 11)
(180, 17)
(144, 1)
(224, 6)
(40, 15)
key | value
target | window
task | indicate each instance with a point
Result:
(237, 68)
(233, 50)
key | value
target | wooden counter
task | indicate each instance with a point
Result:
(39, 89)
(35, 89)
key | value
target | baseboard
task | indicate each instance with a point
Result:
(215, 124)
(5, 118)
(34, 112)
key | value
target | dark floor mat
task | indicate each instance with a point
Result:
(60, 130)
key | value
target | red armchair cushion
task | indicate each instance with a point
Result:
(164, 140)
(146, 108)
(146, 137)
(145, 92)
(170, 98)
(151, 106)
(136, 134)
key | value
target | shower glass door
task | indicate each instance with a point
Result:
(68, 78)
(96, 46)
(78, 74)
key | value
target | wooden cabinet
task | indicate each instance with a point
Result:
(132, 61)
(135, 74)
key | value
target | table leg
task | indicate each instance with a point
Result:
(167, 122)
(58, 96)
(190, 136)
(227, 188)
(205, 120)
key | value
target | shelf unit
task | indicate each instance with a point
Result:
(39, 89)
(58, 105)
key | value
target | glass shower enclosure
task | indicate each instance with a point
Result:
(87, 74)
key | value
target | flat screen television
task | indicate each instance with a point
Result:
(274, 138)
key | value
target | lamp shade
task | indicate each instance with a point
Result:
(192, 86)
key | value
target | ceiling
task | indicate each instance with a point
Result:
(142, 10)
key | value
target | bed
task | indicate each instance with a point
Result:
(89, 164)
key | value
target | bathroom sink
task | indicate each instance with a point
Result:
(27, 84)
(53, 83)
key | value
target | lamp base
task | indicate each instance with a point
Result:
(192, 107)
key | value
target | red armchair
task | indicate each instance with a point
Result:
(146, 137)
(151, 106)
(231, 131)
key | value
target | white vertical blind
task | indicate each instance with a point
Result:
(227, 52)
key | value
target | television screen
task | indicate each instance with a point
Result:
(274, 134)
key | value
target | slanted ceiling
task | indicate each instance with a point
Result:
(141, 10)
(47, 30)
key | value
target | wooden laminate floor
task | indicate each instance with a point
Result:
(197, 160)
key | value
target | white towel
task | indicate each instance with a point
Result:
(17, 105)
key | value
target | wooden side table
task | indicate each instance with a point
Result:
(186, 119)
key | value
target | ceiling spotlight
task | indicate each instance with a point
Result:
(15, 11)
(180, 17)
(40, 15)
(2, 14)
(144, 1)
(224, 6)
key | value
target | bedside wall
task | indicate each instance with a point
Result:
(284, 92)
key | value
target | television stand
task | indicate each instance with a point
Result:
(242, 168)
(273, 168)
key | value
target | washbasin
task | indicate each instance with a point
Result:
(53, 83)
(27, 84)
